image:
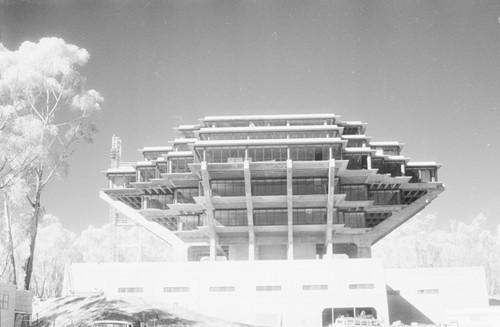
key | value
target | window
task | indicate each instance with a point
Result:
(145, 174)
(160, 201)
(309, 216)
(384, 197)
(305, 186)
(361, 286)
(229, 187)
(180, 165)
(185, 195)
(314, 287)
(270, 288)
(269, 186)
(356, 161)
(222, 288)
(274, 153)
(428, 291)
(176, 289)
(4, 301)
(270, 217)
(354, 219)
(190, 222)
(225, 154)
(122, 180)
(309, 153)
(354, 192)
(130, 290)
(231, 217)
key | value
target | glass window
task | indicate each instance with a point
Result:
(356, 161)
(122, 180)
(4, 301)
(269, 288)
(384, 197)
(314, 287)
(185, 195)
(269, 186)
(228, 187)
(130, 290)
(429, 291)
(176, 289)
(237, 217)
(180, 165)
(354, 192)
(270, 217)
(159, 201)
(361, 286)
(191, 222)
(222, 288)
(309, 216)
(304, 186)
(353, 219)
(146, 173)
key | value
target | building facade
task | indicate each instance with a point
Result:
(271, 187)
(15, 306)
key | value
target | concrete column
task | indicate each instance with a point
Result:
(213, 249)
(364, 251)
(289, 202)
(329, 252)
(289, 254)
(251, 252)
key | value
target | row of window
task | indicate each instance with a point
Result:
(263, 187)
(266, 217)
(260, 288)
(271, 153)
(269, 135)
(274, 122)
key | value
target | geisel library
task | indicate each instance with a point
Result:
(271, 219)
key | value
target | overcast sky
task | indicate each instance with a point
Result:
(425, 73)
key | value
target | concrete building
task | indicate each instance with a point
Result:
(15, 306)
(272, 187)
(261, 210)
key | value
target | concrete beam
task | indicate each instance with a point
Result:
(163, 233)
(249, 203)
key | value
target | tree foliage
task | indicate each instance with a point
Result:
(419, 243)
(45, 113)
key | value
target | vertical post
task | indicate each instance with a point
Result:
(289, 204)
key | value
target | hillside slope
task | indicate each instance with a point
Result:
(81, 311)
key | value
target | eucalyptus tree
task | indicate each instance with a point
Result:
(46, 112)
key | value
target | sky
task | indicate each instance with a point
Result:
(425, 73)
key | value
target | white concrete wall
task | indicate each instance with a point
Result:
(457, 288)
(290, 306)
(7, 315)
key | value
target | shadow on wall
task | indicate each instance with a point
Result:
(402, 310)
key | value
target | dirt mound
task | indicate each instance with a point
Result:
(81, 311)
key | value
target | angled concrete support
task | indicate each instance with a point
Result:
(179, 247)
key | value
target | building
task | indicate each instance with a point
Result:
(262, 213)
(15, 306)
(272, 187)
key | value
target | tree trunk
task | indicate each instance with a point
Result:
(8, 223)
(33, 229)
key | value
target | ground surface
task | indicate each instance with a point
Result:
(81, 311)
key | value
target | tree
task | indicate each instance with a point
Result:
(55, 249)
(419, 243)
(40, 88)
